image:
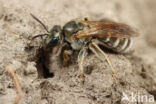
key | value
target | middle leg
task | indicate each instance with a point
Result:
(81, 57)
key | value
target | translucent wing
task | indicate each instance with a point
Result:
(101, 29)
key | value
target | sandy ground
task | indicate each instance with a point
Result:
(137, 71)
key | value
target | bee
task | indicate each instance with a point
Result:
(83, 35)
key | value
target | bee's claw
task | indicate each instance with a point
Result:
(115, 77)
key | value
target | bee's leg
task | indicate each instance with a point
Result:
(81, 56)
(66, 57)
(83, 19)
(101, 55)
(86, 18)
(59, 48)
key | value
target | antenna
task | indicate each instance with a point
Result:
(39, 22)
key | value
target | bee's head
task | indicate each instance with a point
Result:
(54, 37)
(70, 28)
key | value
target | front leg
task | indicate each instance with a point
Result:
(101, 55)
(66, 57)
(82, 54)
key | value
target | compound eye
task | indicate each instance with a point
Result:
(53, 42)
(54, 37)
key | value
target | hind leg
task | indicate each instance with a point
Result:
(101, 55)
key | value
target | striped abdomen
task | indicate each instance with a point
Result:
(122, 45)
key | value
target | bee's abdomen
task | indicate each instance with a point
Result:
(122, 45)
